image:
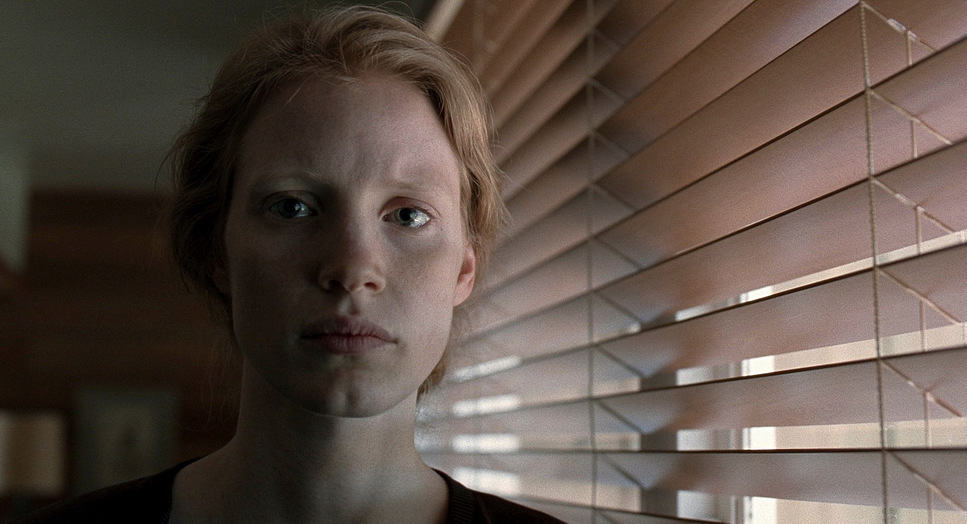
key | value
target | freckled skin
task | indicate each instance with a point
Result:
(333, 183)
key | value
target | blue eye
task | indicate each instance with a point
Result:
(291, 208)
(410, 217)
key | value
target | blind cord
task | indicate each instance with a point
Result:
(870, 171)
(589, 94)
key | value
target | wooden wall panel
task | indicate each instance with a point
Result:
(100, 305)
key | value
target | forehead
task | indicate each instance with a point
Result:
(361, 127)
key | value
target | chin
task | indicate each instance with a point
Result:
(350, 392)
(355, 399)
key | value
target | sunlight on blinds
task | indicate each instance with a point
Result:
(734, 285)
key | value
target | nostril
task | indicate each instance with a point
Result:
(350, 268)
(351, 285)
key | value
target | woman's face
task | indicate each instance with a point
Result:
(345, 246)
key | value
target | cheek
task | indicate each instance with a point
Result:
(259, 280)
(426, 285)
(259, 258)
(431, 272)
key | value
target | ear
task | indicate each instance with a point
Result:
(467, 276)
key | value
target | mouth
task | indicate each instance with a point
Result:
(346, 335)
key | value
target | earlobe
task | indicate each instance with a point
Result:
(467, 276)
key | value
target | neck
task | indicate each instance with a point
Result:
(288, 464)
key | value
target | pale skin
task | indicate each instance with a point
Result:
(345, 210)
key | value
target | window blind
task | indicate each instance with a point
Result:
(734, 286)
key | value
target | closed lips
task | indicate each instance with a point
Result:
(346, 327)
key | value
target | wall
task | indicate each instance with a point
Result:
(13, 211)
(99, 305)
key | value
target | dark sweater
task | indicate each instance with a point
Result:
(148, 500)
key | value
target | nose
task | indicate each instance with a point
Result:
(351, 262)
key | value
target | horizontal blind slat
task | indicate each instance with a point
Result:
(497, 22)
(559, 280)
(559, 135)
(838, 477)
(557, 329)
(532, 27)
(820, 477)
(753, 329)
(828, 233)
(717, 328)
(934, 276)
(558, 232)
(935, 24)
(840, 136)
(560, 94)
(730, 53)
(561, 182)
(560, 42)
(548, 379)
(761, 107)
(817, 74)
(613, 28)
(810, 408)
(672, 35)
(787, 323)
(637, 518)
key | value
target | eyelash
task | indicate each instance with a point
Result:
(277, 208)
(393, 215)
(306, 211)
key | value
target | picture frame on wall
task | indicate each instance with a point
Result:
(122, 434)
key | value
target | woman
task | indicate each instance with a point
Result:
(335, 198)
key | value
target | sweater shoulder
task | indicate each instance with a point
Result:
(476, 507)
(147, 499)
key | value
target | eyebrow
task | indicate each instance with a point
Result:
(270, 184)
(432, 187)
